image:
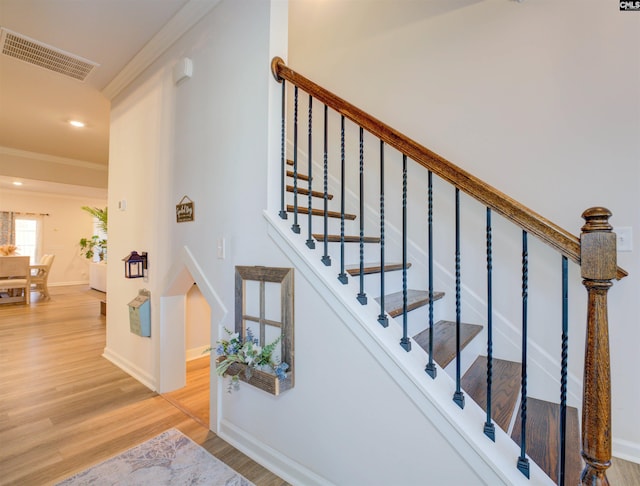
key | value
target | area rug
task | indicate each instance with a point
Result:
(170, 458)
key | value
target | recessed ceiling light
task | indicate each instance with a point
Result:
(76, 123)
(17, 183)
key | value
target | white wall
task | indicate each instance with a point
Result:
(62, 229)
(197, 324)
(539, 104)
(208, 138)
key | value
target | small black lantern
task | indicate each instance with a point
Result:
(135, 265)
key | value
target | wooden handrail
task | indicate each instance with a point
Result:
(551, 234)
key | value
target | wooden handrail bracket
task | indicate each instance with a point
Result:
(551, 234)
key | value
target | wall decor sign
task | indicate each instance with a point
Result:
(184, 210)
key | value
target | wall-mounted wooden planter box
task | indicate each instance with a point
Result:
(261, 379)
(266, 275)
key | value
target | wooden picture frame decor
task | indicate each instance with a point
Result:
(263, 275)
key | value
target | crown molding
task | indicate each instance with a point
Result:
(177, 26)
(12, 152)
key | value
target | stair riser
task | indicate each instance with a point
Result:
(473, 349)
(418, 319)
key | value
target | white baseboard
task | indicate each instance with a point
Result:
(279, 464)
(63, 284)
(627, 450)
(128, 367)
(199, 352)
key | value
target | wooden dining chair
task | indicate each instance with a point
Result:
(15, 275)
(40, 276)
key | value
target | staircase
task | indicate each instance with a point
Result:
(542, 415)
(547, 432)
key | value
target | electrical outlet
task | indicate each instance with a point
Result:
(624, 238)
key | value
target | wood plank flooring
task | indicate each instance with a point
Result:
(63, 407)
(193, 399)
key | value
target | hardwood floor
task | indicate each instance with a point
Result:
(63, 407)
(193, 399)
(623, 473)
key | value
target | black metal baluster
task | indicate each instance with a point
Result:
(310, 243)
(362, 297)
(523, 461)
(563, 371)
(382, 318)
(326, 259)
(489, 427)
(458, 396)
(342, 276)
(295, 227)
(404, 341)
(431, 366)
(283, 212)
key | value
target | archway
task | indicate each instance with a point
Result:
(171, 366)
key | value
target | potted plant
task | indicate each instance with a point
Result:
(242, 359)
(96, 245)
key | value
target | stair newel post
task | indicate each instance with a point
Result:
(283, 212)
(489, 426)
(362, 296)
(382, 318)
(431, 366)
(342, 277)
(310, 243)
(598, 268)
(458, 396)
(523, 460)
(404, 341)
(295, 227)
(326, 259)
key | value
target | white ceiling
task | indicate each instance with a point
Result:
(36, 104)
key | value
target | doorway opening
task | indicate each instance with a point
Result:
(193, 398)
(185, 310)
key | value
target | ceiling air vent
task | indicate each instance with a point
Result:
(40, 54)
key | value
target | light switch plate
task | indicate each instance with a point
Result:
(624, 238)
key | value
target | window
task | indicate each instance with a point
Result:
(28, 239)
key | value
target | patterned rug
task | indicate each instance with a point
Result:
(171, 458)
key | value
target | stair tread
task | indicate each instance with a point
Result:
(415, 299)
(347, 238)
(543, 441)
(302, 177)
(320, 212)
(444, 339)
(505, 388)
(305, 192)
(373, 267)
